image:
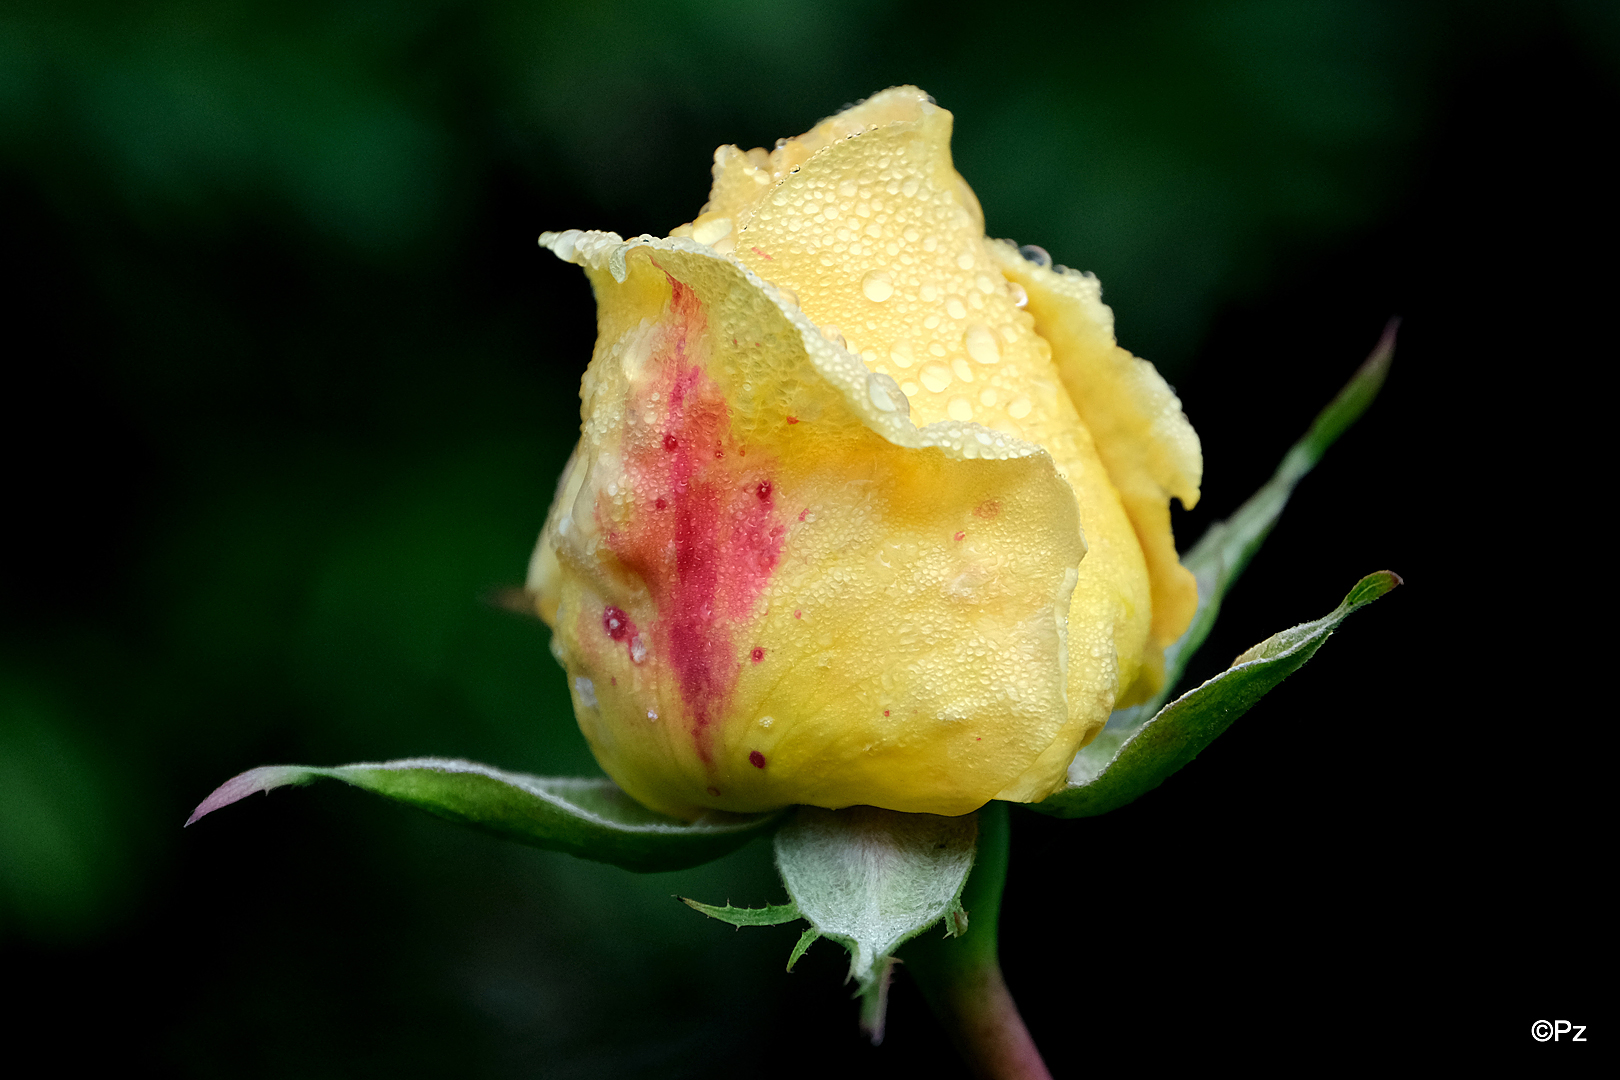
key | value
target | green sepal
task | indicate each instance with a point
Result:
(590, 818)
(771, 915)
(807, 939)
(1222, 553)
(873, 879)
(1142, 759)
(870, 880)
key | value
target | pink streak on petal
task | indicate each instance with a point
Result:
(707, 559)
(264, 778)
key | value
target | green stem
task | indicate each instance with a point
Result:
(961, 976)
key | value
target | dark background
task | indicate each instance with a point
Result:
(288, 384)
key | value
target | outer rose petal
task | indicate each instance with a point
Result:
(1151, 451)
(769, 586)
(868, 222)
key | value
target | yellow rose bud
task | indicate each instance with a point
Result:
(866, 508)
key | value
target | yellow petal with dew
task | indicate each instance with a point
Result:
(867, 222)
(1151, 451)
(769, 585)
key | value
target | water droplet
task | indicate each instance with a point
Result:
(936, 376)
(980, 342)
(910, 389)
(638, 649)
(1020, 295)
(710, 230)
(877, 286)
(965, 261)
(955, 308)
(960, 408)
(586, 691)
(1019, 407)
(963, 372)
(652, 714)
(909, 188)
(789, 297)
(1036, 255)
(885, 394)
(987, 397)
(834, 335)
(766, 721)
(900, 352)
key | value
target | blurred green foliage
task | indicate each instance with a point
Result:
(296, 386)
(1177, 148)
(64, 856)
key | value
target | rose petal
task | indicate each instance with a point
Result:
(1151, 451)
(875, 232)
(770, 586)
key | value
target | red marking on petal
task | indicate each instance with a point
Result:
(756, 759)
(885, 712)
(620, 627)
(760, 253)
(793, 419)
(798, 614)
(714, 791)
(803, 512)
(706, 560)
(758, 654)
(959, 535)
(987, 509)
